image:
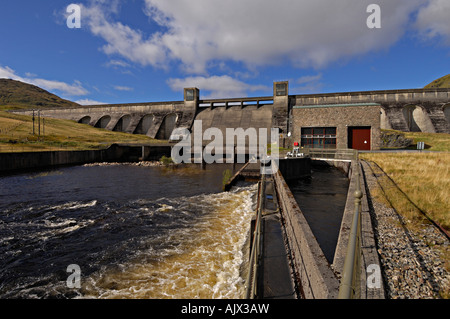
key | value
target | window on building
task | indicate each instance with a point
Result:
(319, 137)
(190, 95)
(281, 89)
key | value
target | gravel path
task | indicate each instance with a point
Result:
(414, 263)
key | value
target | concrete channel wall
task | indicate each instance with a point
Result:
(11, 162)
(369, 258)
(319, 279)
(311, 268)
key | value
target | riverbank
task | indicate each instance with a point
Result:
(20, 133)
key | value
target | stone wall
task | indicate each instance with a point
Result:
(429, 106)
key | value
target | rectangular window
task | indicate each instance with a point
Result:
(319, 137)
(281, 89)
(190, 95)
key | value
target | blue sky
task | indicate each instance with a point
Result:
(130, 51)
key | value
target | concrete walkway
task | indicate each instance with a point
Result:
(275, 280)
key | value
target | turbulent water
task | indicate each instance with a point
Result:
(134, 232)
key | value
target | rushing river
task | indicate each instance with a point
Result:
(134, 232)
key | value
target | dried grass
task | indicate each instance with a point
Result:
(422, 178)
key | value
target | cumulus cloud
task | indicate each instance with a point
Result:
(216, 86)
(75, 89)
(254, 32)
(89, 102)
(121, 39)
(433, 20)
(307, 84)
(123, 88)
(305, 33)
(198, 36)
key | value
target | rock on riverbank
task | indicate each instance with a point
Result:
(142, 163)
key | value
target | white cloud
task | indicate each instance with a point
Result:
(121, 39)
(89, 102)
(307, 84)
(117, 63)
(305, 33)
(433, 20)
(123, 88)
(75, 89)
(208, 34)
(216, 86)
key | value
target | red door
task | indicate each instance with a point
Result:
(360, 138)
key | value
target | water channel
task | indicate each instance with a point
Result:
(322, 199)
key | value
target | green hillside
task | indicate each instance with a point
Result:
(443, 82)
(19, 95)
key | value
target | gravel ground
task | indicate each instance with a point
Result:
(413, 260)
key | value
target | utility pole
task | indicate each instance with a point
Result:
(39, 122)
(33, 122)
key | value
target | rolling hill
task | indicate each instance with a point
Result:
(18, 95)
(443, 82)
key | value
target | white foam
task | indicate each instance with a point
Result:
(74, 205)
(204, 261)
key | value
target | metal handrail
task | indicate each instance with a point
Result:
(349, 287)
(330, 153)
(252, 282)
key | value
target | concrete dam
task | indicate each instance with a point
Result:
(339, 121)
(420, 110)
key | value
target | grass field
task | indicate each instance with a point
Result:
(16, 135)
(433, 141)
(423, 177)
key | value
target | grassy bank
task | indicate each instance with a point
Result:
(16, 135)
(424, 178)
(433, 141)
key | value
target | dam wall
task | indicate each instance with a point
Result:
(416, 110)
